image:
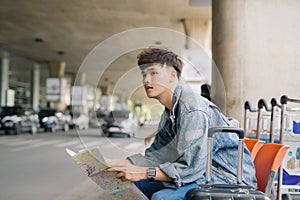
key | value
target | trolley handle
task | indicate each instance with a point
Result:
(262, 103)
(238, 131)
(284, 99)
(274, 103)
(249, 107)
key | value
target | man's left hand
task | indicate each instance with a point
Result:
(129, 172)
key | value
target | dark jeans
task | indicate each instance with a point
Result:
(157, 191)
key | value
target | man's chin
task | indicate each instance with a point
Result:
(151, 96)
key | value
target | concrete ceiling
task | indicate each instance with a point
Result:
(76, 27)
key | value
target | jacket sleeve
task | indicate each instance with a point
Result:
(184, 158)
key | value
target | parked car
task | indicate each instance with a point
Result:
(18, 119)
(80, 121)
(97, 119)
(53, 120)
(119, 122)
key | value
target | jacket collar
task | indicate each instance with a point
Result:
(175, 99)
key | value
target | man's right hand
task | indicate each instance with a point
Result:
(149, 137)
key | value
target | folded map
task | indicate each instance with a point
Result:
(93, 164)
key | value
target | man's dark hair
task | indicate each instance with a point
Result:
(152, 56)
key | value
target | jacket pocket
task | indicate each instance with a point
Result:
(221, 176)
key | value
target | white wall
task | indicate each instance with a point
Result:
(272, 66)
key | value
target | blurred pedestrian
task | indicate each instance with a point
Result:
(205, 91)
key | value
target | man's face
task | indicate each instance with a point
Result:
(157, 79)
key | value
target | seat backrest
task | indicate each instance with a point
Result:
(267, 161)
(253, 146)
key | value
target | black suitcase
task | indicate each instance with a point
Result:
(225, 191)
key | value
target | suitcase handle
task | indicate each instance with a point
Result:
(240, 133)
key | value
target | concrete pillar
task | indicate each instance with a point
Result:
(228, 52)
(107, 90)
(197, 52)
(104, 90)
(80, 78)
(57, 69)
(4, 78)
(199, 31)
(35, 87)
(80, 92)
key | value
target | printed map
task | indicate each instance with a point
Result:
(93, 164)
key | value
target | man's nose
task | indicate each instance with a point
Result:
(146, 79)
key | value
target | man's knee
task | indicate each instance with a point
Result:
(158, 196)
(173, 194)
(165, 194)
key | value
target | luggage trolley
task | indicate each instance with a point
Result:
(289, 172)
(275, 123)
(275, 120)
(249, 119)
(257, 127)
(263, 121)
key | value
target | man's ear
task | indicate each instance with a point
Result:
(173, 75)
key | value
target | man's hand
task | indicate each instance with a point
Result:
(129, 172)
(149, 137)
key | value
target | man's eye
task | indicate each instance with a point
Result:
(153, 73)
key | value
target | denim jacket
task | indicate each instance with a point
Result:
(179, 148)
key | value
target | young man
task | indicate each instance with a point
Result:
(175, 162)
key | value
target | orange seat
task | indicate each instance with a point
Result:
(253, 146)
(267, 161)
